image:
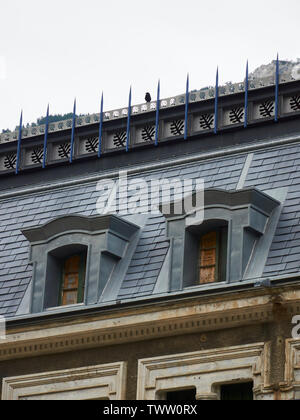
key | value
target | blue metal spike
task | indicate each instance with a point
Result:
(217, 101)
(128, 122)
(157, 114)
(246, 95)
(277, 90)
(101, 127)
(73, 132)
(187, 101)
(19, 144)
(46, 138)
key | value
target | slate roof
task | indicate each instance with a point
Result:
(270, 169)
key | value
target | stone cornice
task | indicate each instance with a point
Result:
(148, 322)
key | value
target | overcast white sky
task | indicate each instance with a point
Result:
(55, 50)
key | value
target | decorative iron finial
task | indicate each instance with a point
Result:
(128, 121)
(246, 95)
(157, 113)
(277, 89)
(19, 144)
(187, 100)
(101, 127)
(73, 132)
(216, 101)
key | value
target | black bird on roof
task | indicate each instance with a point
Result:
(148, 97)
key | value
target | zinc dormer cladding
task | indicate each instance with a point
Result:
(264, 156)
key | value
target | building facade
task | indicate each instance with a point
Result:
(113, 287)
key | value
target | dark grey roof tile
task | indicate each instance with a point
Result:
(140, 255)
(146, 281)
(162, 245)
(135, 269)
(294, 249)
(281, 238)
(153, 266)
(144, 248)
(12, 283)
(9, 265)
(4, 291)
(158, 252)
(12, 302)
(157, 259)
(146, 241)
(139, 262)
(129, 284)
(291, 257)
(151, 273)
(19, 269)
(25, 281)
(11, 310)
(295, 265)
(151, 234)
(274, 268)
(146, 289)
(288, 223)
(276, 260)
(126, 293)
(18, 289)
(8, 277)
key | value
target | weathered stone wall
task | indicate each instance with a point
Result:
(276, 333)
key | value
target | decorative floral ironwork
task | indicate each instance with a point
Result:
(119, 139)
(266, 109)
(37, 154)
(177, 127)
(91, 144)
(148, 133)
(64, 150)
(206, 121)
(236, 115)
(295, 102)
(10, 161)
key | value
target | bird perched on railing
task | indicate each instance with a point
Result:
(148, 97)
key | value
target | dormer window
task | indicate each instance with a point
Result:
(73, 280)
(212, 257)
(75, 259)
(224, 240)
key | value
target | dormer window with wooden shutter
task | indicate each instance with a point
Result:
(73, 280)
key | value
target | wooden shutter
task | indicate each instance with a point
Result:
(208, 258)
(72, 281)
